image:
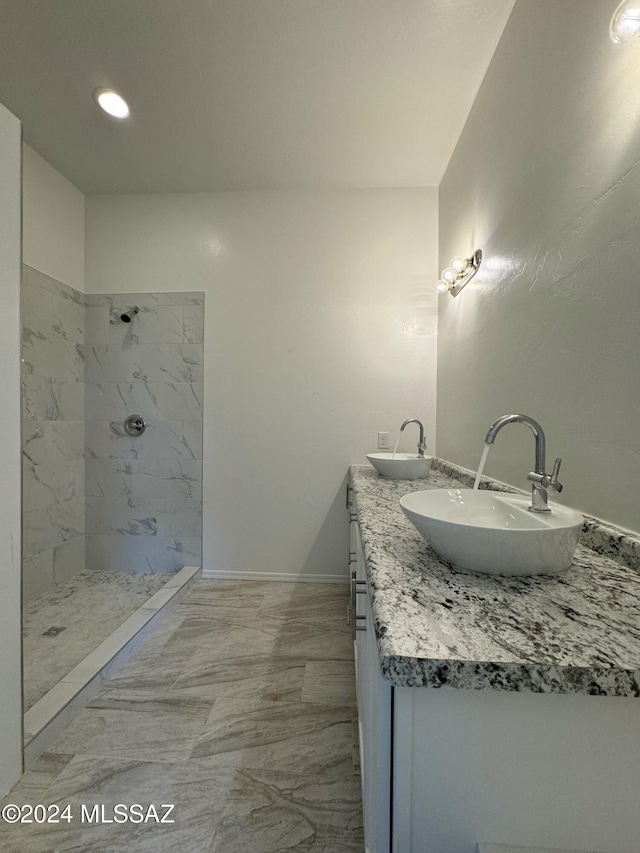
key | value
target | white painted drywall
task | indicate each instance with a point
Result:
(10, 550)
(248, 95)
(546, 181)
(53, 222)
(320, 330)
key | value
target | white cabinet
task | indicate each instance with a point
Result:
(375, 697)
(376, 744)
(443, 770)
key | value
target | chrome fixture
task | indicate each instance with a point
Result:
(357, 588)
(134, 425)
(625, 22)
(540, 480)
(459, 273)
(422, 444)
(128, 316)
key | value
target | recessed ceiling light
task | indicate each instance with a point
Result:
(111, 102)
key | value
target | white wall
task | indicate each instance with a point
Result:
(10, 563)
(320, 330)
(53, 222)
(546, 180)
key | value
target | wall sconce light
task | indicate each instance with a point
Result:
(625, 22)
(459, 273)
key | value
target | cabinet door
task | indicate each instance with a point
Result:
(375, 696)
(359, 598)
(376, 764)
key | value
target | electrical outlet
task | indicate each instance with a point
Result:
(383, 441)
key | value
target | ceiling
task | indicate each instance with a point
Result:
(246, 94)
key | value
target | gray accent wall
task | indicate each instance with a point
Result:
(94, 497)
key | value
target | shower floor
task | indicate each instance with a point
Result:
(61, 627)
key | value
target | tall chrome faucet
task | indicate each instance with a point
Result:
(422, 444)
(540, 480)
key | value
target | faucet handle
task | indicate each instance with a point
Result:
(548, 481)
(553, 480)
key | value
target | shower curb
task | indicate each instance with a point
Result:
(54, 711)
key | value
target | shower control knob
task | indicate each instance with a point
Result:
(134, 425)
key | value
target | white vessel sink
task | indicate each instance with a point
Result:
(494, 532)
(400, 466)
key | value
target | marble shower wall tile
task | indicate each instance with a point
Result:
(51, 285)
(44, 529)
(143, 516)
(83, 372)
(96, 439)
(125, 516)
(68, 559)
(144, 362)
(37, 574)
(179, 401)
(162, 324)
(193, 324)
(97, 556)
(167, 478)
(48, 399)
(69, 318)
(53, 334)
(144, 300)
(153, 553)
(48, 442)
(180, 518)
(45, 485)
(36, 309)
(115, 400)
(97, 325)
(54, 358)
(144, 493)
(161, 440)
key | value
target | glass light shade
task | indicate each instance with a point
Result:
(112, 103)
(449, 275)
(442, 286)
(458, 264)
(625, 22)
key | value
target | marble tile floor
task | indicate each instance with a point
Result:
(89, 607)
(239, 710)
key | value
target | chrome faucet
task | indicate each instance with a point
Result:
(540, 480)
(422, 444)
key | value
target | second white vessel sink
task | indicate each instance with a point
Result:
(494, 532)
(400, 466)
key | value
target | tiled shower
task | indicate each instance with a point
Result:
(93, 496)
(53, 444)
(143, 494)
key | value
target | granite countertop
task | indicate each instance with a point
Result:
(577, 632)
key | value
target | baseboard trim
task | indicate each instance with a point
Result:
(219, 574)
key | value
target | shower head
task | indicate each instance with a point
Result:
(127, 318)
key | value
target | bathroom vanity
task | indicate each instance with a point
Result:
(492, 709)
